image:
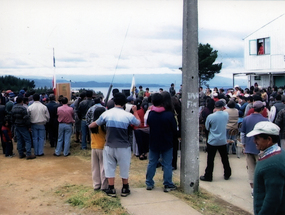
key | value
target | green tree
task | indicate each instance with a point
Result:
(13, 83)
(207, 68)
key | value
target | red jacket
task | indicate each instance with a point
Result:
(6, 134)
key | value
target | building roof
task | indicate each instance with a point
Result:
(261, 72)
(264, 25)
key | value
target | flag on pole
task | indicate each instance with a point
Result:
(133, 88)
(54, 76)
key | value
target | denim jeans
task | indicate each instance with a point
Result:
(84, 132)
(23, 138)
(231, 137)
(38, 134)
(64, 134)
(166, 163)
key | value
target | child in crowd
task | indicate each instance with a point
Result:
(7, 138)
(97, 145)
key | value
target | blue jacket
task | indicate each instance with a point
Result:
(216, 124)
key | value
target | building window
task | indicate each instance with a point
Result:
(259, 46)
(257, 78)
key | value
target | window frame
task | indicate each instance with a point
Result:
(254, 45)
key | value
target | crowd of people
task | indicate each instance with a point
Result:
(255, 117)
(143, 120)
(149, 123)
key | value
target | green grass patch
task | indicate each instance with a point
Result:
(85, 197)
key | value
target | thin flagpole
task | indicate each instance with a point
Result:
(54, 76)
(133, 87)
(111, 84)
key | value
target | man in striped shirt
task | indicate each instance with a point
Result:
(117, 150)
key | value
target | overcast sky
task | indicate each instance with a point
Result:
(136, 36)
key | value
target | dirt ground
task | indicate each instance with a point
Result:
(28, 186)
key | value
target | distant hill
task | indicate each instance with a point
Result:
(146, 80)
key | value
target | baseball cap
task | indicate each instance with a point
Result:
(264, 127)
(258, 104)
(219, 104)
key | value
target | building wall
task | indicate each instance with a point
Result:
(264, 81)
(275, 61)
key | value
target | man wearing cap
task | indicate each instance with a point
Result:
(216, 124)
(248, 142)
(269, 175)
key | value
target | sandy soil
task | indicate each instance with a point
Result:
(28, 186)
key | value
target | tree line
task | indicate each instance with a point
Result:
(15, 84)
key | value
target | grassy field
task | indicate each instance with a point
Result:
(99, 203)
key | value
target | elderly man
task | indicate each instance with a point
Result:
(39, 116)
(216, 124)
(248, 142)
(269, 175)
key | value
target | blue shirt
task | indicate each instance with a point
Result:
(216, 124)
(247, 126)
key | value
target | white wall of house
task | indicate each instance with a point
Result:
(264, 80)
(273, 61)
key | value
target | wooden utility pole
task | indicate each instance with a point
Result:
(189, 174)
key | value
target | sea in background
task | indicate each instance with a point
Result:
(104, 90)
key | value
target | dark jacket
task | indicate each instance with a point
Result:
(2, 113)
(83, 108)
(52, 109)
(163, 128)
(20, 116)
(269, 185)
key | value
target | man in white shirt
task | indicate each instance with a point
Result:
(39, 116)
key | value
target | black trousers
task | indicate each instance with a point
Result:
(211, 150)
(52, 128)
(8, 148)
(142, 139)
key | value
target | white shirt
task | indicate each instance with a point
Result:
(38, 113)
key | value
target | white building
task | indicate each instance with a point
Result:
(266, 65)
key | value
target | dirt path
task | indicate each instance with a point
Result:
(28, 186)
